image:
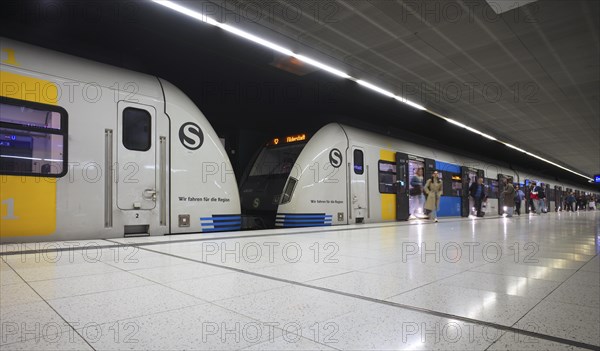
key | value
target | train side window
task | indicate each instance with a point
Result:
(289, 190)
(137, 129)
(359, 167)
(387, 177)
(33, 139)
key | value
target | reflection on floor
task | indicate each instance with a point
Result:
(493, 284)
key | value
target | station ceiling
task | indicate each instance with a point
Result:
(527, 74)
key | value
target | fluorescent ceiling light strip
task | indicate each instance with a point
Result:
(203, 18)
(197, 15)
(414, 104)
(556, 164)
(375, 88)
(514, 147)
(322, 66)
(255, 39)
(470, 129)
(410, 103)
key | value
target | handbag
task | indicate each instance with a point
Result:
(416, 190)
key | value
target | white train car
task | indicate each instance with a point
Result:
(92, 151)
(346, 175)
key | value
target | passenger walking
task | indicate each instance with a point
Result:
(416, 193)
(542, 198)
(578, 202)
(533, 195)
(477, 192)
(509, 197)
(571, 202)
(529, 198)
(433, 190)
(519, 197)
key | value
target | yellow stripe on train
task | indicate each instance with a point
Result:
(388, 201)
(28, 204)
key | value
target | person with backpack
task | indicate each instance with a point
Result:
(519, 197)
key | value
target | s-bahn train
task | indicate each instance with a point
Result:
(344, 175)
(90, 151)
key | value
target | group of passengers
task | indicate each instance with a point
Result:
(427, 196)
(579, 202)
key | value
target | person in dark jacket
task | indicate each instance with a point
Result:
(477, 192)
(519, 197)
(571, 202)
(541, 190)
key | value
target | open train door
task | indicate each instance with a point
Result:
(465, 208)
(501, 188)
(469, 176)
(402, 196)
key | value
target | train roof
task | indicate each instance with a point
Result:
(50, 62)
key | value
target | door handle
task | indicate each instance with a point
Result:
(149, 194)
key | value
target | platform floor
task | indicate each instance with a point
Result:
(526, 283)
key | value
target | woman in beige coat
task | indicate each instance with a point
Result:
(433, 190)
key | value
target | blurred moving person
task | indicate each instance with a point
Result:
(519, 197)
(509, 197)
(477, 192)
(433, 190)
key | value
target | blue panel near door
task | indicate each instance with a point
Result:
(449, 206)
(447, 167)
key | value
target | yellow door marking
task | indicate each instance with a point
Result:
(11, 58)
(388, 201)
(27, 204)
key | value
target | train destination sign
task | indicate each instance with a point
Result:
(288, 139)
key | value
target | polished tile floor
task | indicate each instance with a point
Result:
(526, 283)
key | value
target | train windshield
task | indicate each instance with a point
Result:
(276, 160)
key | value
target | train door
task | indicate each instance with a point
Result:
(469, 176)
(415, 178)
(501, 187)
(136, 157)
(402, 195)
(359, 190)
